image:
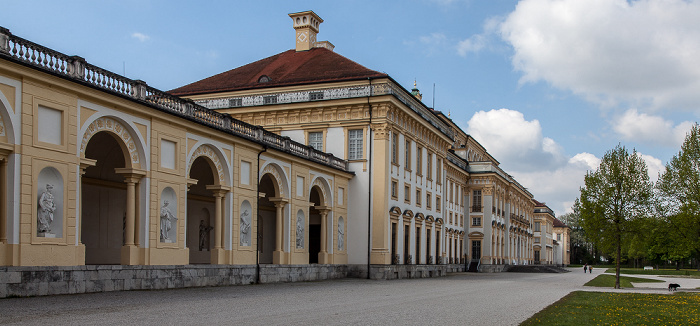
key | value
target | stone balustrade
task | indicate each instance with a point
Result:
(74, 68)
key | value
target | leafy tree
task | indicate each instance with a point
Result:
(613, 198)
(679, 193)
(580, 245)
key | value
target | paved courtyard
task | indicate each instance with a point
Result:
(482, 299)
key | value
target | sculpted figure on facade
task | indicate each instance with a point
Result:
(45, 210)
(166, 222)
(245, 228)
(300, 231)
(204, 235)
(341, 235)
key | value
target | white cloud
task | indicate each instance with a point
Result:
(643, 52)
(141, 37)
(642, 127)
(516, 143)
(654, 166)
(475, 43)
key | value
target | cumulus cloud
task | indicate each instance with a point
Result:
(478, 42)
(610, 51)
(514, 141)
(141, 37)
(642, 127)
(654, 166)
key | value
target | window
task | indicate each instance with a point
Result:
(235, 102)
(394, 190)
(450, 218)
(316, 140)
(407, 155)
(407, 193)
(418, 197)
(430, 166)
(428, 200)
(419, 161)
(476, 249)
(461, 220)
(394, 149)
(438, 172)
(537, 226)
(452, 191)
(559, 237)
(314, 96)
(537, 239)
(437, 203)
(355, 144)
(476, 201)
(271, 99)
(476, 221)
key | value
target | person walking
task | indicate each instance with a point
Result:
(590, 269)
(585, 268)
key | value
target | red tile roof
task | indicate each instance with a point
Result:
(559, 224)
(317, 65)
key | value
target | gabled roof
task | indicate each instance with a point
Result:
(317, 65)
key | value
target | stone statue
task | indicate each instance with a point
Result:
(341, 236)
(46, 210)
(166, 222)
(204, 235)
(300, 231)
(245, 228)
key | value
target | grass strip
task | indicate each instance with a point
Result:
(608, 281)
(669, 272)
(600, 308)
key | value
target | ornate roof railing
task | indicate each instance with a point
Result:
(331, 93)
(76, 69)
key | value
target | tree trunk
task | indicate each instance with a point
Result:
(618, 253)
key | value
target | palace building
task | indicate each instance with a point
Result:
(304, 165)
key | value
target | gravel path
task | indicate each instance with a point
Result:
(482, 299)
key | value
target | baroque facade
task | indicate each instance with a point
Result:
(305, 157)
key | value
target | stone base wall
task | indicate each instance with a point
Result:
(53, 280)
(391, 272)
(488, 268)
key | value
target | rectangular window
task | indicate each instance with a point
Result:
(461, 220)
(270, 99)
(437, 203)
(537, 239)
(418, 197)
(438, 170)
(537, 226)
(314, 96)
(476, 201)
(430, 166)
(419, 161)
(316, 140)
(355, 144)
(559, 237)
(407, 155)
(407, 193)
(235, 102)
(394, 149)
(450, 218)
(428, 200)
(394, 190)
(476, 221)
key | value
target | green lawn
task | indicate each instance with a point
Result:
(669, 272)
(608, 281)
(598, 308)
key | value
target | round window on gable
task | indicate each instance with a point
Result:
(263, 79)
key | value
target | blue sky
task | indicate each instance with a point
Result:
(548, 86)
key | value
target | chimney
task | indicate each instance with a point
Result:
(306, 26)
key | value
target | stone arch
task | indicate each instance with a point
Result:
(131, 144)
(7, 129)
(325, 190)
(216, 160)
(281, 183)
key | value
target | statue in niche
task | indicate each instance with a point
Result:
(167, 218)
(300, 232)
(341, 236)
(46, 210)
(204, 235)
(245, 228)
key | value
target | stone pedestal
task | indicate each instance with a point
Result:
(46, 235)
